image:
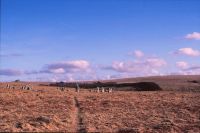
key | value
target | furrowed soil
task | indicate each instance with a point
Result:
(48, 109)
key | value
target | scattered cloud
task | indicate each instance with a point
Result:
(193, 36)
(137, 53)
(64, 78)
(64, 71)
(188, 70)
(193, 68)
(187, 51)
(155, 62)
(182, 64)
(81, 70)
(148, 66)
(54, 71)
(10, 72)
(67, 67)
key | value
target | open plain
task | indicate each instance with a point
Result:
(47, 108)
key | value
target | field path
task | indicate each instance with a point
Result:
(80, 128)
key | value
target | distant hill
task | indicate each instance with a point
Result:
(166, 83)
(172, 82)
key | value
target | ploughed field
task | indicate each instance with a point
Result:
(46, 108)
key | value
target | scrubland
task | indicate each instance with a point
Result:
(47, 109)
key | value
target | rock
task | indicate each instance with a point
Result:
(18, 125)
(43, 119)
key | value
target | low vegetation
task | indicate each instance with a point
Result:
(141, 112)
(139, 86)
(141, 108)
(27, 110)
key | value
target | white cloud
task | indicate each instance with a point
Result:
(57, 71)
(193, 36)
(64, 78)
(186, 69)
(138, 53)
(65, 71)
(55, 78)
(67, 67)
(188, 52)
(69, 70)
(155, 62)
(146, 67)
(182, 64)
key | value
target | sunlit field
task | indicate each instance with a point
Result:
(47, 108)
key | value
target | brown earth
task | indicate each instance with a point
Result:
(45, 109)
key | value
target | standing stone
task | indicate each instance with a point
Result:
(77, 87)
(102, 89)
(98, 89)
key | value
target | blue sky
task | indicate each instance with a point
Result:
(54, 40)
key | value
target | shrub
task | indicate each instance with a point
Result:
(17, 80)
(146, 86)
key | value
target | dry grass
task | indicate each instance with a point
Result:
(47, 109)
(169, 83)
(141, 111)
